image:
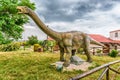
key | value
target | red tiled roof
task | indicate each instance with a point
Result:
(115, 31)
(116, 41)
(100, 38)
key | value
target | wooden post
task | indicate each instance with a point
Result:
(107, 74)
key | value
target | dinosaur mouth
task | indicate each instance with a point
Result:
(19, 9)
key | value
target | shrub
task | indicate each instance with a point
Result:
(113, 53)
(10, 47)
(36, 47)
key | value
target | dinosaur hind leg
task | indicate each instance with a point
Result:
(87, 50)
(73, 52)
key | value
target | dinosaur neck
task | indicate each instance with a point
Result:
(53, 34)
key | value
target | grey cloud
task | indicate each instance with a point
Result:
(94, 16)
(68, 11)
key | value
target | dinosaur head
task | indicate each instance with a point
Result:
(23, 9)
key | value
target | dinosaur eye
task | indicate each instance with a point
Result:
(25, 6)
(19, 10)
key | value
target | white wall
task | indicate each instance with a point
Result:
(112, 35)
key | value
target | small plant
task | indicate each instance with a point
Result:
(99, 51)
(80, 50)
(113, 53)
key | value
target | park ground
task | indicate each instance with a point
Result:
(28, 65)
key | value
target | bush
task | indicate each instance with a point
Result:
(36, 47)
(113, 53)
(10, 47)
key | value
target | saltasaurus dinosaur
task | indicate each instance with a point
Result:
(67, 41)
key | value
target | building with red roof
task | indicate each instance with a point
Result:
(111, 44)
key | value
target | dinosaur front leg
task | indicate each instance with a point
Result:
(67, 57)
(87, 52)
(62, 54)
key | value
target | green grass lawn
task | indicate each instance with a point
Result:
(26, 65)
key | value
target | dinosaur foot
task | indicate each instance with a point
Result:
(66, 64)
(62, 60)
(90, 61)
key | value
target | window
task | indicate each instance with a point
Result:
(116, 34)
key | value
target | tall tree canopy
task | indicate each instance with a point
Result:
(11, 23)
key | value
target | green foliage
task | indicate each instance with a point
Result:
(47, 44)
(27, 3)
(43, 43)
(32, 40)
(51, 43)
(10, 21)
(10, 47)
(113, 53)
(4, 40)
(40, 43)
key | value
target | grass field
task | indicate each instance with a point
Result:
(26, 65)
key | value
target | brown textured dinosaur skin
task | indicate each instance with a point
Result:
(68, 41)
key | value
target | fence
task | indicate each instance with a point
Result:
(106, 68)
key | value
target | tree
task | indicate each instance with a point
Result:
(11, 23)
(32, 40)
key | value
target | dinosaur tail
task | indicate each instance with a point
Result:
(92, 41)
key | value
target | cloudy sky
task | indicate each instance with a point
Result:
(90, 16)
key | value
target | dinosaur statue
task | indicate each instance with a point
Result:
(68, 41)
